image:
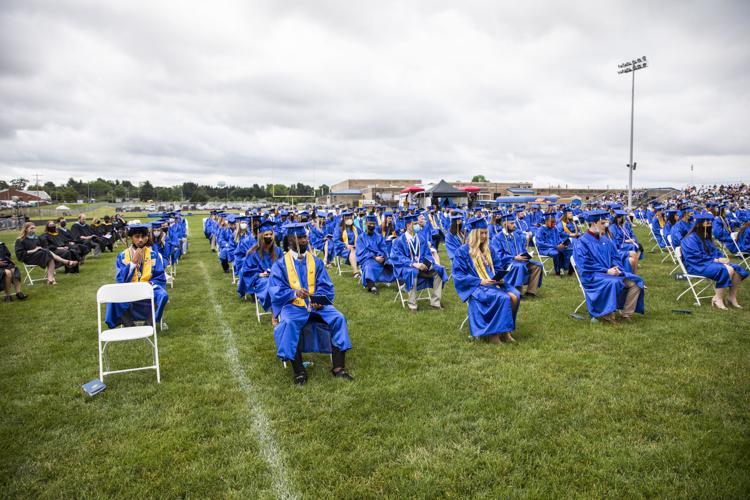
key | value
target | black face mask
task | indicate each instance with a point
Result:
(50, 229)
(63, 223)
(268, 240)
(370, 229)
(302, 248)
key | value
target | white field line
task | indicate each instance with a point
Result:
(269, 449)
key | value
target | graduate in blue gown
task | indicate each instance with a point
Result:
(372, 256)
(244, 241)
(625, 241)
(225, 242)
(296, 280)
(701, 257)
(345, 241)
(607, 286)
(551, 244)
(388, 231)
(455, 237)
(681, 228)
(256, 267)
(415, 267)
(158, 238)
(139, 263)
(722, 230)
(510, 246)
(657, 224)
(743, 238)
(493, 305)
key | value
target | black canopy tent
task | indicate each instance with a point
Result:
(443, 195)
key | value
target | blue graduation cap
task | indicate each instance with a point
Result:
(346, 213)
(137, 229)
(231, 218)
(457, 217)
(704, 217)
(476, 223)
(296, 229)
(409, 218)
(372, 218)
(596, 215)
(507, 217)
(266, 225)
(620, 213)
(550, 215)
(156, 224)
(388, 213)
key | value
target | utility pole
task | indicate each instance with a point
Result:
(631, 67)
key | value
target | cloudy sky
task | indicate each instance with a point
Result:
(321, 90)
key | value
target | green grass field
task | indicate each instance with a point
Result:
(659, 408)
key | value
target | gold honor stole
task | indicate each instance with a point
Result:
(565, 228)
(481, 269)
(145, 273)
(291, 274)
(345, 235)
(432, 221)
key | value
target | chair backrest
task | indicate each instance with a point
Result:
(124, 292)
(578, 277)
(678, 256)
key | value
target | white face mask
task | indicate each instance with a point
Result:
(157, 232)
(243, 226)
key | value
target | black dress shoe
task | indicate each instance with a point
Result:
(300, 378)
(342, 373)
(21, 296)
(8, 298)
(373, 290)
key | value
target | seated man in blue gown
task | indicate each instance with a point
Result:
(493, 305)
(302, 295)
(372, 256)
(608, 287)
(455, 237)
(701, 257)
(682, 227)
(139, 263)
(510, 246)
(415, 267)
(549, 243)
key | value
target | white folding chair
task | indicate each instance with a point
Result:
(740, 255)
(402, 294)
(341, 271)
(656, 241)
(542, 258)
(671, 253)
(28, 278)
(119, 293)
(235, 278)
(258, 312)
(693, 280)
(580, 284)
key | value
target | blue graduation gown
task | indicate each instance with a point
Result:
(402, 261)
(240, 251)
(453, 243)
(622, 233)
(547, 240)
(604, 293)
(507, 247)
(656, 227)
(141, 309)
(490, 307)
(721, 232)
(699, 259)
(323, 327)
(226, 244)
(369, 247)
(339, 247)
(250, 281)
(743, 240)
(678, 231)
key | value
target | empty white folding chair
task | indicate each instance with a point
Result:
(656, 241)
(694, 281)
(259, 310)
(119, 293)
(29, 278)
(341, 270)
(580, 284)
(542, 258)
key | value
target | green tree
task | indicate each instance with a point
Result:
(19, 183)
(120, 192)
(479, 178)
(4, 185)
(147, 191)
(68, 194)
(199, 196)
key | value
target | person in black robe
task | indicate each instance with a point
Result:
(84, 233)
(30, 252)
(11, 275)
(54, 241)
(81, 249)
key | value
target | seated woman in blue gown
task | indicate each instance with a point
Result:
(455, 236)
(657, 224)
(139, 263)
(244, 241)
(225, 241)
(302, 295)
(256, 267)
(345, 241)
(493, 305)
(681, 227)
(388, 231)
(510, 246)
(372, 256)
(550, 244)
(722, 229)
(701, 257)
(743, 238)
(625, 241)
(607, 286)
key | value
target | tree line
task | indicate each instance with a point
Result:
(117, 190)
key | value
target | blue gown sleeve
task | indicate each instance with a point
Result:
(123, 272)
(464, 277)
(323, 283)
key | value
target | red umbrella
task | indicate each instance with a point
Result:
(471, 189)
(412, 189)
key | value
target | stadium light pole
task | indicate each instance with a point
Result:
(631, 67)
